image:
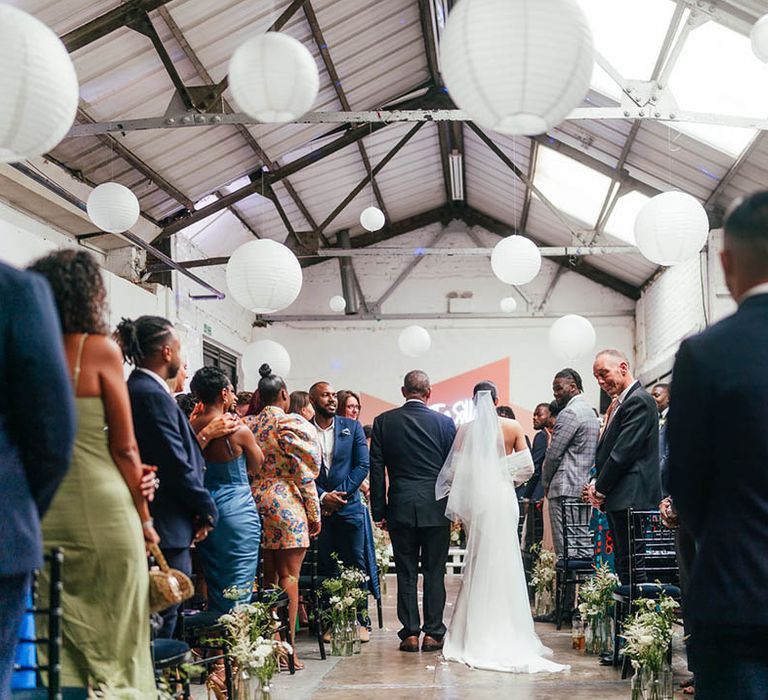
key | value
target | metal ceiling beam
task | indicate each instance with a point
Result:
(507, 318)
(527, 180)
(546, 251)
(755, 142)
(533, 156)
(137, 164)
(108, 22)
(192, 57)
(325, 54)
(473, 217)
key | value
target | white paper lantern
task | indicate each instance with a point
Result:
(759, 38)
(515, 260)
(508, 305)
(273, 77)
(572, 338)
(671, 228)
(338, 303)
(113, 207)
(372, 219)
(517, 66)
(269, 352)
(38, 87)
(264, 276)
(414, 341)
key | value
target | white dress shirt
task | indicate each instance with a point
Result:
(757, 289)
(327, 439)
(156, 377)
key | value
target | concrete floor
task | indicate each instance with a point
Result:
(382, 672)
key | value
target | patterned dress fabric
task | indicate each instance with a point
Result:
(284, 488)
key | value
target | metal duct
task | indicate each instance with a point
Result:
(348, 288)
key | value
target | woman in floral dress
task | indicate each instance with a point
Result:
(284, 487)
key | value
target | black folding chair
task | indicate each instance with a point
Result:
(653, 569)
(51, 640)
(578, 550)
(310, 589)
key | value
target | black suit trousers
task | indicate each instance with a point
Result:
(427, 546)
(180, 559)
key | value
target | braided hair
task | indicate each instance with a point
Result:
(143, 337)
(270, 385)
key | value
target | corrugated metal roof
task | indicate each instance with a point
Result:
(379, 54)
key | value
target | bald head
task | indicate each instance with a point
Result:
(612, 371)
(416, 385)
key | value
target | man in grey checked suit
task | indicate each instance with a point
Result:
(571, 454)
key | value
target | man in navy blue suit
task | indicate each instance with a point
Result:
(343, 469)
(719, 484)
(35, 445)
(411, 443)
(183, 510)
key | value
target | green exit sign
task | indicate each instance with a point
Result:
(207, 329)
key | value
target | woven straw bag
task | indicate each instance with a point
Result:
(167, 586)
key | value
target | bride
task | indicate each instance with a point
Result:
(492, 626)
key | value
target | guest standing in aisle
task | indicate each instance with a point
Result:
(35, 445)
(183, 510)
(410, 445)
(99, 516)
(720, 484)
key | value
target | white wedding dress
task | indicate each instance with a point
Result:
(492, 627)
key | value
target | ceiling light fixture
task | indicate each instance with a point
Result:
(457, 175)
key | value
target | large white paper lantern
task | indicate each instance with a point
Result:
(113, 207)
(273, 77)
(414, 341)
(508, 305)
(38, 87)
(515, 260)
(671, 228)
(269, 352)
(759, 38)
(572, 338)
(337, 303)
(372, 219)
(517, 66)
(264, 276)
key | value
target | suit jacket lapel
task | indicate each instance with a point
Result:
(617, 414)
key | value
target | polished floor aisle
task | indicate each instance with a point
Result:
(382, 672)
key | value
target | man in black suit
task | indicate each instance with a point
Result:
(35, 445)
(183, 510)
(720, 484)
(627, 459)
(412, 443)
(660, 394)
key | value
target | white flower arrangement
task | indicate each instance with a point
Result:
(648, 632)
(347, 593)
(543, 572)
(596, 593)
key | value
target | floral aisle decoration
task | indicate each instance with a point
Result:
(347, 593)
(543, 580)
(248, 640)
(648, 634)
(596, 608)
(383, 549)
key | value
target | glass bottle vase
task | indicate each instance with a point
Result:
(242, 685)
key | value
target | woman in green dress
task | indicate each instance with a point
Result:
(99, 516)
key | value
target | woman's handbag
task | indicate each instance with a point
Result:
(167, 586)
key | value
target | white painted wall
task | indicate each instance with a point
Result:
(682, 301)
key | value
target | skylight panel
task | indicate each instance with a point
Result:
(629, 34)
(621, 222)
(717, 73)
(575, 189)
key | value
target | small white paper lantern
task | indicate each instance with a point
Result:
(572, 338)
(671, 228)
(414, 341)
(113, 207)
(38, 87)
(515, 260)
(338, 303)
(269, 352)
(759, 38)
(372, 219)
(264, 276)
(508, 305)
(517, 66)
(273, 77)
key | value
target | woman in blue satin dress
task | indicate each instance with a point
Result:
(230, 553)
